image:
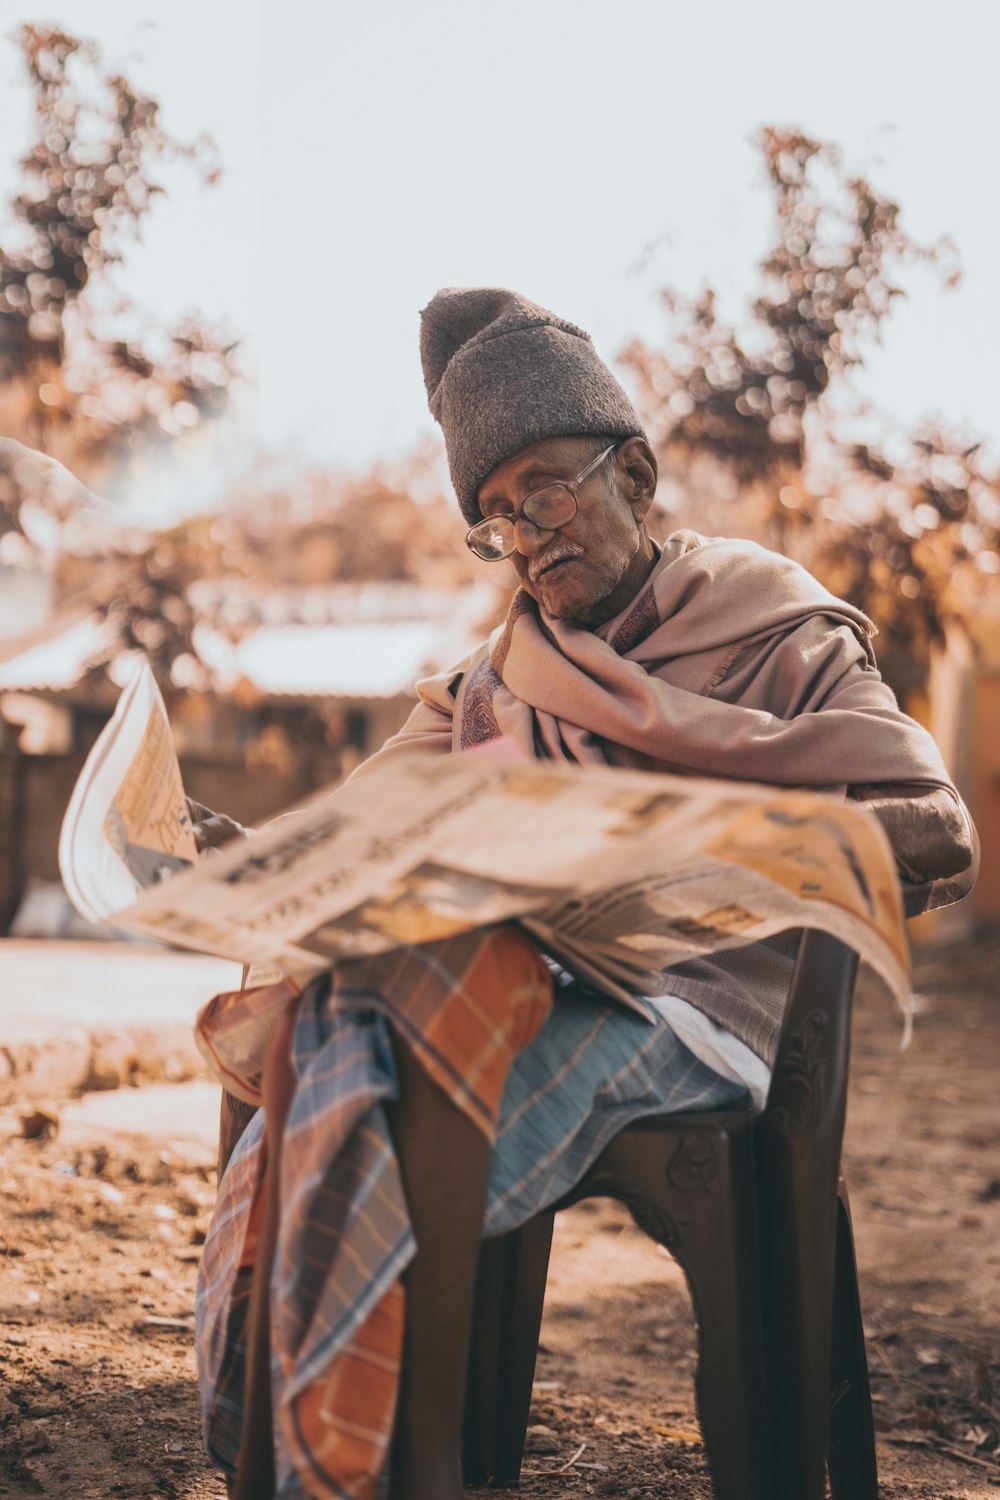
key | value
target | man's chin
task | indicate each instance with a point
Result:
(564, 602)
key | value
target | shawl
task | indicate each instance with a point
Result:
(732, 661)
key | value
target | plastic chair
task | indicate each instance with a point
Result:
(752, 1207)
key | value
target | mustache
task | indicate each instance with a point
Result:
(557, 554)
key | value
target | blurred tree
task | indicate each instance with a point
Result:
(82, 379)
(304, 532)
(78, 385)
(359, 527)
(78, 376)
(760, 419)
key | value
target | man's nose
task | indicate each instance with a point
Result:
(528, 537)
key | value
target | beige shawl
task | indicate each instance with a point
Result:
(732, 661)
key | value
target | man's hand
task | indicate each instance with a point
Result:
(933, 839)
(212, 830)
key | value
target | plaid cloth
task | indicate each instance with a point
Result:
(549, 1084)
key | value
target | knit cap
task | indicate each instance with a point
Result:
(502, 372)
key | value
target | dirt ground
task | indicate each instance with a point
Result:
(100, 1229)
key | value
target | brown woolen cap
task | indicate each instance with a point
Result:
(502, 373)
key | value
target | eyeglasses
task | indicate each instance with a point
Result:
(549, 508)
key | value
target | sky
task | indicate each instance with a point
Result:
(583, 154)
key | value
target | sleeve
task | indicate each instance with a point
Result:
(762, 725)
(822, 667)
(429, 726)
(805, 670)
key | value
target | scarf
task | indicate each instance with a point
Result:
(696, 676)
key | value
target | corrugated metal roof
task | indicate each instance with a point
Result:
(356, 659)
(338, 661)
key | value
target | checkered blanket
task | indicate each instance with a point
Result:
(548, 1083)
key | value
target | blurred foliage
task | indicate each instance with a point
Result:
(319, 531)
(144, 597)
(77, 376)
(350, 528)
(757, 426)
(77, 392)
(760, 415)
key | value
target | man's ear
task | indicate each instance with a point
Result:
(638, 473)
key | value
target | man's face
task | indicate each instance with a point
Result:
(589, 569)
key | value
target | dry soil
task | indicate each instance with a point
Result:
(101, 1226)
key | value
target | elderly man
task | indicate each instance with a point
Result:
(413, 1100)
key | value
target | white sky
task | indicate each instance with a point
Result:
(376, 151)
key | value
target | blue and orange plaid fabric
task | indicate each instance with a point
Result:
(549, 1081)
(466, 1007)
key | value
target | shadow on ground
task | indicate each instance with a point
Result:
(100, 1240)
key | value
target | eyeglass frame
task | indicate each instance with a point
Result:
(520, 514)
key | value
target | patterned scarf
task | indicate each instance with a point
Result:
(675, 682)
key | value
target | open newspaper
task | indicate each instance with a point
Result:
(127, 824)
(619, 874)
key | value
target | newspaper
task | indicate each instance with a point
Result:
(619, 874)
(127, 824)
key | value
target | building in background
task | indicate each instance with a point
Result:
(304, 685)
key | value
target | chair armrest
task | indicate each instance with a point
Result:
(809, 1082)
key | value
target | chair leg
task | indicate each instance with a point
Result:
(798, 1305)
(510, 1293)
(851, 1456)
(698, 1202)
(799, 1138)
(718, 1254)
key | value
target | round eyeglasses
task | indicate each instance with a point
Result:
(549, 508)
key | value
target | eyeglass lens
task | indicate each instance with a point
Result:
(548, 509)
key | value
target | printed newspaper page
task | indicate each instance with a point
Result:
(622, 873)
(127, 823)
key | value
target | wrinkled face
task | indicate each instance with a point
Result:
(588, 570)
